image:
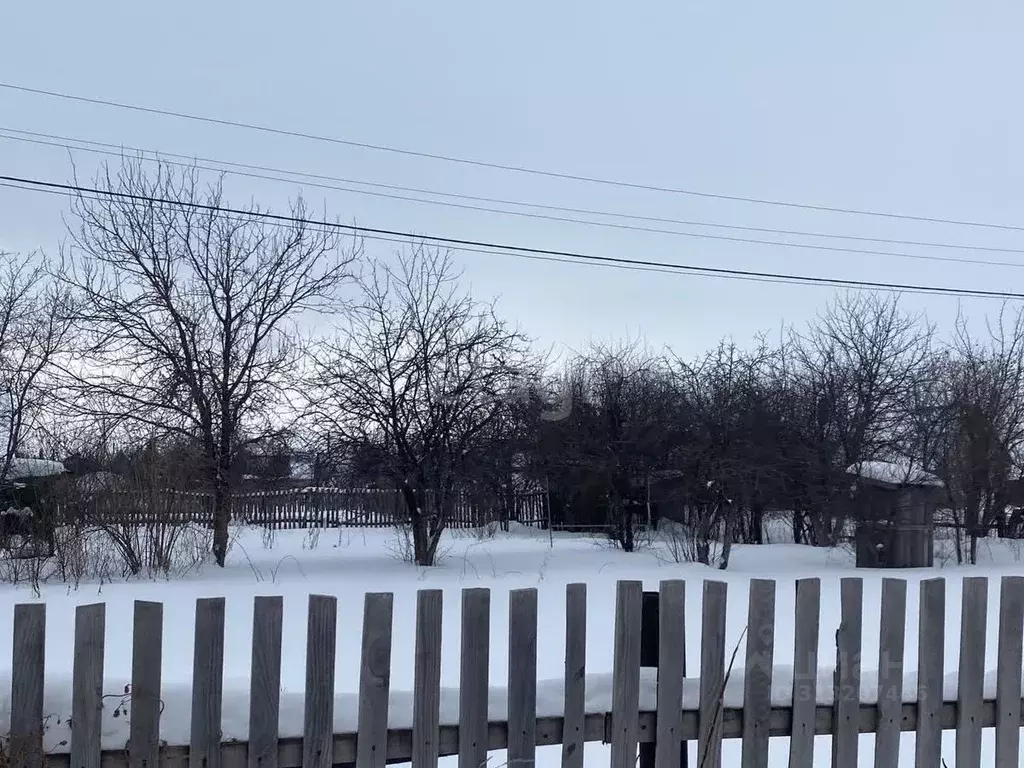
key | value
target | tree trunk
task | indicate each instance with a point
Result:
(756, 523)
(798, 527)
(423, 551)
(219, 459)
(729, 529)
(972, 518)
(820, 534)
(221, 519)
(1015, 523)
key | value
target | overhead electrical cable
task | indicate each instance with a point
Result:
(514, 250)
(65, 143)
(495, 165)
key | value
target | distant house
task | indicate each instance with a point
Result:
(21, 484)
(896, 514)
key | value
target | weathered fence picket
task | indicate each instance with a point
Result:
(427, 680)
(971, 677)
(712, 675)
(757, 680)
(522, 677)
(147, 669)
(321, 641)
(375, 681)
(671, 652)
(930, 670)
(632, 716)
(87, 686)
(805, 672)
(27, 681)
(1008, 671)
(265, 682)
(891, 647)
(473, 677)
(207, 684)
(846, 689)
(574, 708)
(625, 726)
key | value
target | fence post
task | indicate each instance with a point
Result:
(25, 747)
(650, 622)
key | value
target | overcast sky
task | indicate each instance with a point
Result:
(909, 108)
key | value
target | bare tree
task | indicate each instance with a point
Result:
(416, 382)
(925, 431)
(730, 453)
(985, 425)
(602, 451)
(193, 313)
(35, 326)
(879, 351)
(857, 366)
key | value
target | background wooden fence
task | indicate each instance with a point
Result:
(625, 724)
(301, 508)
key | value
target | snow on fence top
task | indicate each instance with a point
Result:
(894, 473)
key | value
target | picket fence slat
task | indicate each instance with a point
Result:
(846, 738)
(147, 663)
(265, 681)
(757, 680)
(891, 647)
(661, 733)
(375, 680)
(712, 674)
(671, 652)
(574, 710)
(87, 685)
(971, 672)
(27, 681)
(930, 660)
(1008, 671)
(427, 679)
(207, 683)
(473, 677)
(522, 678)
(625, 724)
(805, 672)
(318, 715)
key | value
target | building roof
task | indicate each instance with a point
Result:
(25, 468)
(894, 474)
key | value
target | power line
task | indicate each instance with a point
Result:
(119, 149)
(158, 155)
(629, 266)
(468, 249)
(498, 166)
(514, 250)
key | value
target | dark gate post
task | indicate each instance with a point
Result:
(650, 631)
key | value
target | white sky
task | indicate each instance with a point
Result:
(904, 107)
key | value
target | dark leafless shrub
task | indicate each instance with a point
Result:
(413, 385)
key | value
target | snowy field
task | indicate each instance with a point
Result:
(351, 562)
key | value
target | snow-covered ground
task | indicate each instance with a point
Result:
(352, 562)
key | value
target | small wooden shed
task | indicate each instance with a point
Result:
(895, 506)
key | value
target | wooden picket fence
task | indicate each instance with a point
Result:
(303, 508)
(624, 725)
